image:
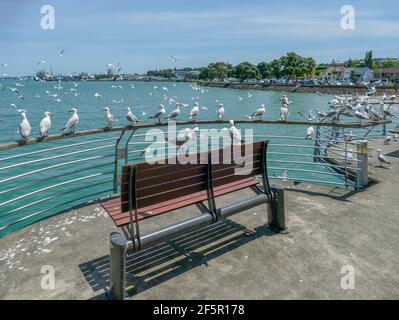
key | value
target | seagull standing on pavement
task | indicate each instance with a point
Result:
(72, 122)
(381, 158)
(45, 124)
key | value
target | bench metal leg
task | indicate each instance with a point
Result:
(276, 211)
(117, 266)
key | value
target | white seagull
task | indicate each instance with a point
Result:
(259, 112)
(283, 112)
(220, 111)
(309, 133)
(235, 134)
(381, 158)
(24, 126)
(108, 117)
(98, 95)
(45, 124)
(194, 111)
(175, 113)
(160, 114)
(72, 122)
(131, 117)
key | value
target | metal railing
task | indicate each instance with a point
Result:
(43, 177)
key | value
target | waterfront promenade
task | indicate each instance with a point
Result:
(237, 259)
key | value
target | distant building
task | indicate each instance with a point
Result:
(334, 73)
(361, 74)
(391, 74)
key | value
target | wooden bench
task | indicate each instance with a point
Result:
(148, 190)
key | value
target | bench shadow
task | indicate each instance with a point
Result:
(164, 261)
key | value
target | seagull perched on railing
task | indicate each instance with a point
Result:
(45, 124)
(131, 117)
(72, 122)
(361, 116)
(109, 117)
(235, 134)
(175, 113)
(220, 111)
(381, 158)
(160, 114)
(385, 110)
(283, 112)
(387, 139)
(194, 111)
(24, 126)
(372, 113)
(259, 112)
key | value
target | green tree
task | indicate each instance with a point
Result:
(264, 69)
(219, 70)
(368, 59)
(246, 70)
(275, 68)
(353, 76)
(389, 64)
(295, 66)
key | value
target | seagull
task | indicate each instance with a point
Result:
(284, 100)
(235, 134)
(24, 126)
(387, 139)
(98, 95)
(309, 133)
(41, 62)
(372, 113)
(173, 58)
(194, 111)
(14, 90)
(385, 110)
(283, 112)
(45, 124)
(381, 158)
(259, 112)
(160, 114)
(131, 117)
(5, 65)
(184, 137)
(309, 117)
(361, 116)
(72, 122)
(175, 113)
(249, 94)
(220, 111)
(109, 118)
(62, 52)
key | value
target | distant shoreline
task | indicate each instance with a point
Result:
(302, 88)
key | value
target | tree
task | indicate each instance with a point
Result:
(294, 66)
(275, 68)
(219, 70)
(246, 70)
(368, 59)
(389, 64)
(264, 69)
(353, 76)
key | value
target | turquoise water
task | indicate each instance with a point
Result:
(29, 198)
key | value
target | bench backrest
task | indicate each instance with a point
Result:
(154, 183)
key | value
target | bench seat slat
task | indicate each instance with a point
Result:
(122, 218)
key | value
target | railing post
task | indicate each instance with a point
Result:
(117, 157)
(276, 210)
(384, 129)
(362, 176)
(317, 145)
(117, 266)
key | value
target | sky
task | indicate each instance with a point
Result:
(142, 35)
